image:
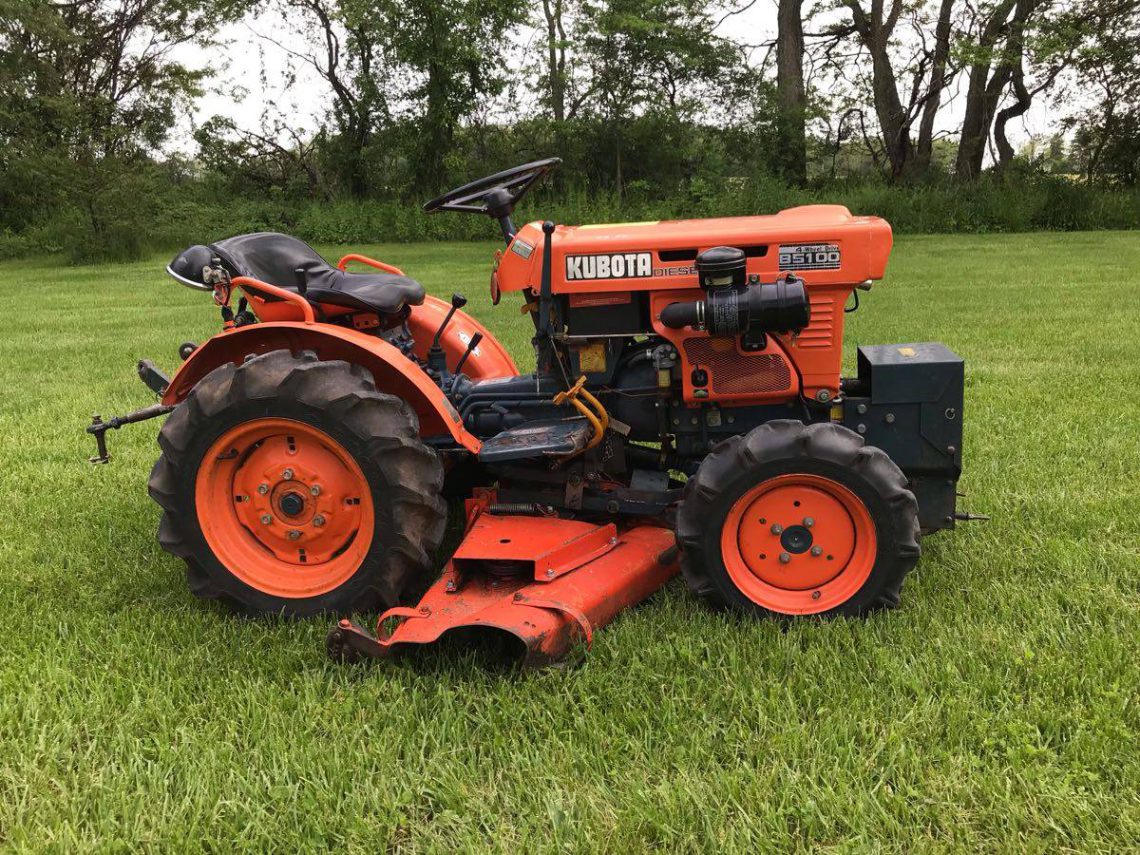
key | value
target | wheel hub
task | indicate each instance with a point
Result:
(284, 507)
(798, 544)
(796, 539)
(291, 504)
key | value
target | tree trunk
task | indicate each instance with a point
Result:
(791, 97)
(984, 90)
(924, 154)
(894, 123)
(1018, 108)
(435, 138)
(555, 58)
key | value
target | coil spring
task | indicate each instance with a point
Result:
(520, 508)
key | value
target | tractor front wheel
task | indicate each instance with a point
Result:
(795, 519)
(292, 486)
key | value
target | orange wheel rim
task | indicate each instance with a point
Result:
(798, 544)
(284, 507)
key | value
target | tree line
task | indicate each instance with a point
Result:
(648, 102)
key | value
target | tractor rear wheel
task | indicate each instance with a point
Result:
(292, 486)
(795, 519)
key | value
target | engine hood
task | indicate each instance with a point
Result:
(824, 244)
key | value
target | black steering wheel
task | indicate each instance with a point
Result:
(495, 195)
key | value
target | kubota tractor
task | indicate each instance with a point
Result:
(686, 409)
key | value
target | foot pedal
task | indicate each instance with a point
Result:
(560, 438)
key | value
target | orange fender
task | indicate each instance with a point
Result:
(489, 359)
(394, 373)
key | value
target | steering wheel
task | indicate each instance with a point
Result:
(495, 195)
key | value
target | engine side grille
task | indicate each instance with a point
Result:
(734, 373)
(820, 331)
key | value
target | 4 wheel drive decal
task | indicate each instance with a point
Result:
(810, 256)
(620, 265)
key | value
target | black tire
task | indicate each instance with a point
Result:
(380, 433)
(785, 447)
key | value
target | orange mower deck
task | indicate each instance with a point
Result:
(546, 582)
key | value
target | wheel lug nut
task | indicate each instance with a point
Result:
(294, 534)
(817, 551)
(785, 558)
(808, 522)
(262, 489)
(266, 519)
(315, 490)
(777, 528)
(318, 521)
(287, 475)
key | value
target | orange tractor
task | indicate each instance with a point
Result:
(686, 411)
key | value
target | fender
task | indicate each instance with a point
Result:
(489, 359)
(394, 372)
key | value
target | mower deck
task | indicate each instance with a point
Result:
(542, 581)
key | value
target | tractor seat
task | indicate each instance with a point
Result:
(292, 264)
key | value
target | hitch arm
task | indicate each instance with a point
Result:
(98, 428)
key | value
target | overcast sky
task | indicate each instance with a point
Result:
(260, 69)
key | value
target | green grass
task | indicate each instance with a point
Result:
(996, 710)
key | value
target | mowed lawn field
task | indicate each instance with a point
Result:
(996, 710)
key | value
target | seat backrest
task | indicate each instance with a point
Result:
(269, 256)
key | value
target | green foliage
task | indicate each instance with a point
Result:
(662, 116)
(87, 94)
(156, 214)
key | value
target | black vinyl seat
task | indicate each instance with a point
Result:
(292, 264)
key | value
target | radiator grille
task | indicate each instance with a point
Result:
(734, 373)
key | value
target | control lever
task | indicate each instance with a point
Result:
(471, 345)
(436, 358)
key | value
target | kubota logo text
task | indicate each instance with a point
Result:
(621, 265)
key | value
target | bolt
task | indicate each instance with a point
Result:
(815, 595)
(613, 541)
(287, 475)
(950, 449)
(817, 551)
(861, 428)
(266, 519)
(823, 396)
(518, 597)
(785, 558)
(451, 588)
(808, 522)
(318, 520)
(294, 534)
(861, 409)
(315, 490)
(550, 573)
(262, 489)
(424, 610)
(951, 413)
(890, 418)
(612, 507)
(777, 528)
